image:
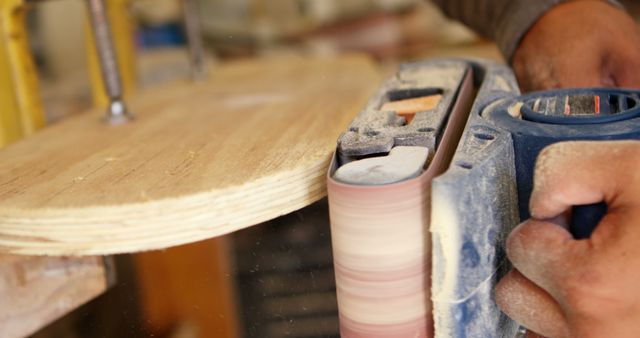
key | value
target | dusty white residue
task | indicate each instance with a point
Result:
(245, 101)
(78, 179)
(444, 223)
(552, 160)
(514, 110)
(401, 164)
(110, 159)
(502, 83)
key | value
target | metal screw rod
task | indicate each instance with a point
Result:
(194, 39)
(117, 110)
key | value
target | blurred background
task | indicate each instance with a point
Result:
(271, 280)
(391, 31)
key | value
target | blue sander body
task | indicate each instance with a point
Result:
(484, 193)
(489, 183)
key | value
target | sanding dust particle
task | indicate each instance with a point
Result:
(551, 157)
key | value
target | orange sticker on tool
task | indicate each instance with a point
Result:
(407, 108)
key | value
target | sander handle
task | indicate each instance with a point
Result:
(585, 218)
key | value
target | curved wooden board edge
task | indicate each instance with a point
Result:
(71, 190)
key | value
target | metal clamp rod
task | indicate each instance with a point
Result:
(194, 39)
(117, 111)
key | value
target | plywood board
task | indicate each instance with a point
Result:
(250, 143)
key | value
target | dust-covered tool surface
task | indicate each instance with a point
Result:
(486, 190)
(251, 142)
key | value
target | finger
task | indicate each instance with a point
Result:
(623, 55)
(586, 74)
(558, 72)
(531, 334)
(541, 251)
(581, 64)
(625, 68)
(577, 173)
(529, 305)
(536, 74)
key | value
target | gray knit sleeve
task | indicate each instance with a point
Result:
(504, 21)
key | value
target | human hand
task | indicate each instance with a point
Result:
(581, 43)
(562, 287)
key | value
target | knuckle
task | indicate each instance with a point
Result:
(554, 151)
(632, 152)
(516, 243)
(579, 289)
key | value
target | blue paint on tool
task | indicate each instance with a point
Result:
(585, 218)
(544, 121)
(489, 185)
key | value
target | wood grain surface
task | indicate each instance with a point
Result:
(250, 143)
(34, 291)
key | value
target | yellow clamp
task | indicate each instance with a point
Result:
(21, 111)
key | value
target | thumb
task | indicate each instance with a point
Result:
(569, 174)
(622, 56)
(625, 68)
(584, 172)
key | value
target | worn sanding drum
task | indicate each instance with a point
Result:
(379, 199)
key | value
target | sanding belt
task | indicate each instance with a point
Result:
(380, 218)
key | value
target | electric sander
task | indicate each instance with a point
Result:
(429, 180)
